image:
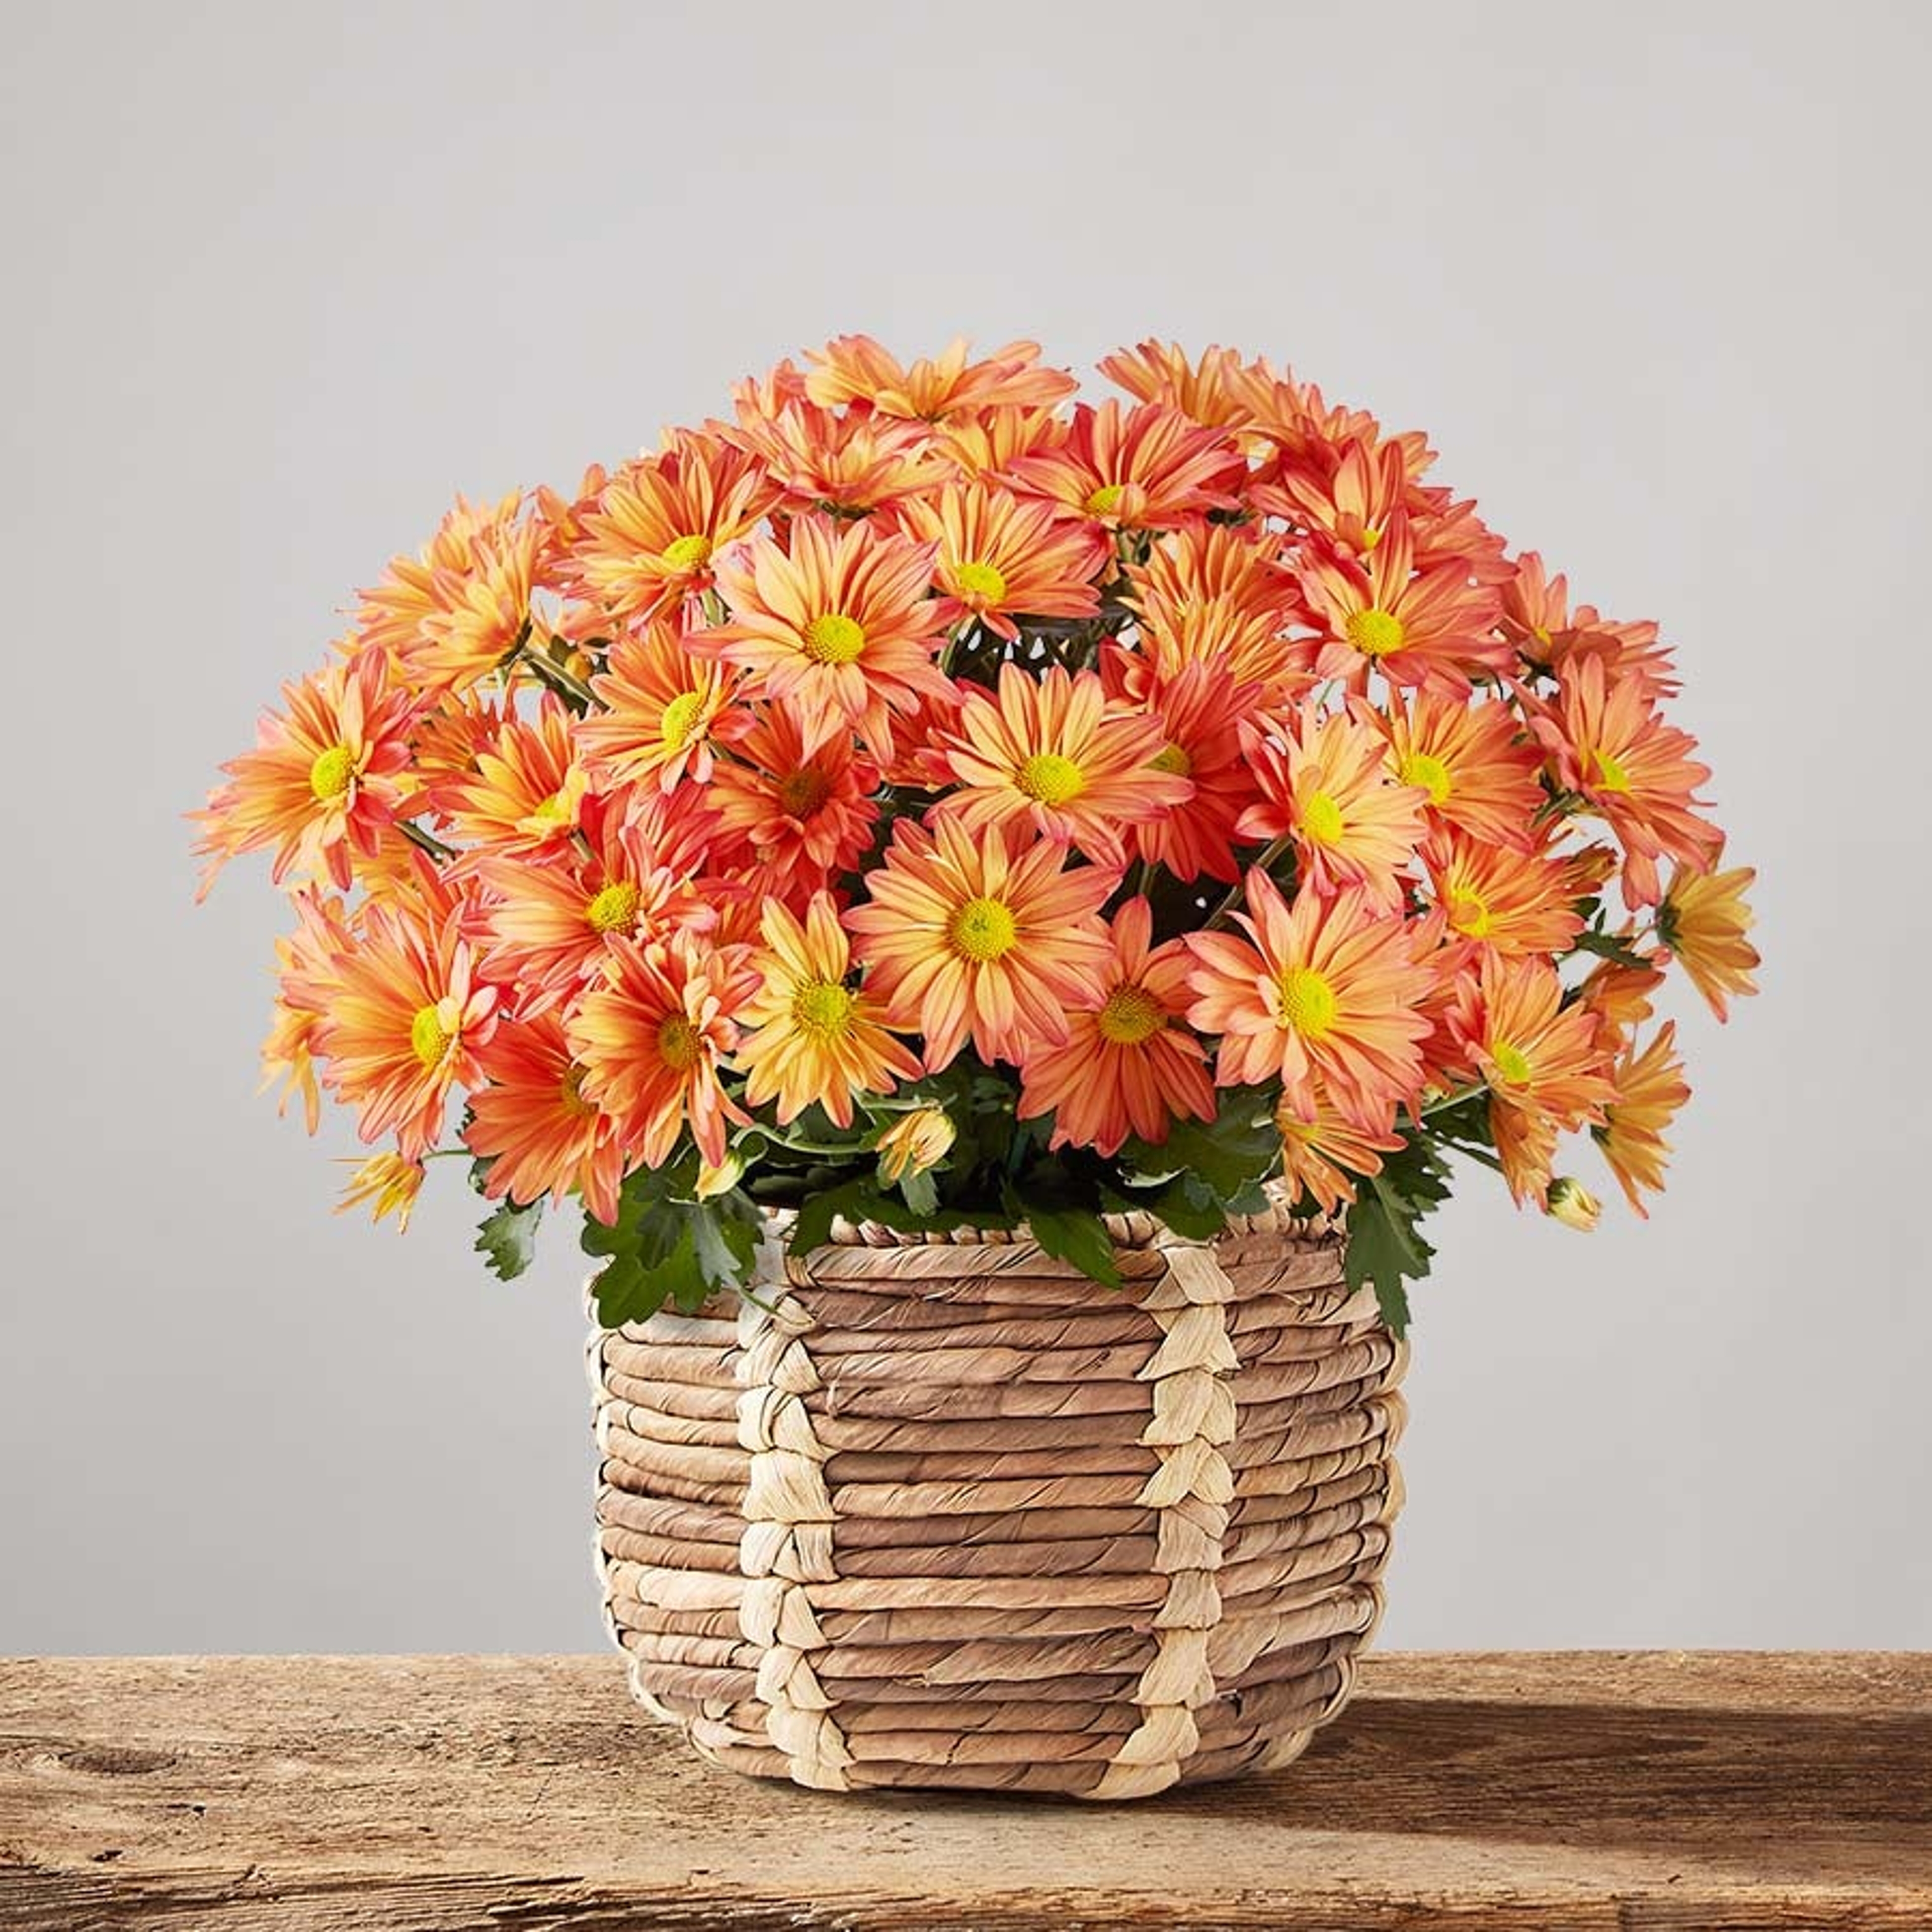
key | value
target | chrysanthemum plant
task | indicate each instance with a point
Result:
(929, 800)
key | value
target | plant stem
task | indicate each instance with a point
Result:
(553, 674)
(1475, 1153)
(426, 841)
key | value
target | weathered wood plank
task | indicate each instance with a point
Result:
(1726, 1792)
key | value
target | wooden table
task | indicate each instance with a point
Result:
(1579, 1788)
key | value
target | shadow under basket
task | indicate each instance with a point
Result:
(945, 1512)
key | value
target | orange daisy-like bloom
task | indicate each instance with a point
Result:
(1199, 710)
(1701, 923)
(1128, 1064)
(1474, 761)
(663, 709)
(1323, 1151)
(1650, 1089)
(306, 982)
(526, 792)
(386, 1184)
(999, 553)
(1325, 784)
(406, 1017)
(1536, 619)
(987, 444)
(1203, 387)
(811, 1037)
(1434, 629)
(1514, 903)
(802, 816)
(533, 1124)
(1610, 746)
(854, 462)
(963, 938)
(840, 629)
(1327, 995)
(1211, 593)
(321, 785)
(455, 610)
(1622, 998)
(1052, 753)
(856, 369)
(651, 1039)
(1146, 470)
(649, 539)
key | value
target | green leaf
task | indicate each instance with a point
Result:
(1385, 1245)
(1229, 1154)
(1185, 1204)
(921, 1191)
(1607, 945)
(1077, 1235)
(507, 1239)
(664, 1248)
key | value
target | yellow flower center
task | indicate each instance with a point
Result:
(1050, 778)
(801, 793)
(1306, 1001)
(1131, 1014)
(1511, 1062)
(1371, 536)
(682, 717)
(823, 1008)
(1374, 633)
(1106, 500)
(1175, 760)
(1322, 818)
(615, 908)
(429, 1036)
(571, 1089)
(1423, 769)
(1469, 913)
(982, 929)
(554, 811)
(1611, 776)
(834, 638)
(686, 554)
(332, 774)
(982, 581)
(677, 1043)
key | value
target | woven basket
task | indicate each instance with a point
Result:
(946, 1512)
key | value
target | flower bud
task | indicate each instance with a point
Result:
(914, 1142)
(1570, 1201)
(721, 1179)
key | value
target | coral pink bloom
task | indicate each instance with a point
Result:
(321, 785)
(663, 709)
(1326, 784)
(406, 1016)
(1328, 994)
(1198, 709)
(1511, 903)
(840, 629)
(651, 1039)
(984, 446)
(1146, 470)
(526, 791)
(1536, 619)
(854, 462)
(649, 538)
(1610, 746)
(1052, 754)
(999, 553)
(1128, 1064)
(531, 1122)
(1161, 372)
(963, 938)
(1323, 1151)
(1434, 629)
(856, 369)
(802, 816)
(1475, 762)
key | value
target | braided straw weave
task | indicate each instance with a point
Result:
(944, 1512)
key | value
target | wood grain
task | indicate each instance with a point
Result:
(1588, 1789)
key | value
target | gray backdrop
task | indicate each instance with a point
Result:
(281, 280)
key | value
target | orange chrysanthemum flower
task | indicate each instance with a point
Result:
(1513, 903)
(985, 445)
(1146, 470)
(1128, 1065)
(1052, 753)
(1199, 712)
(526, 792)
(1434, 629)
(1475, 762)
(856, 369)
(800, 817)
(1326, 784)
(1327, 993)
(1702, 924)
(840, 629)
(854, 462)
(1323, 1151)
(963, 938)
(1650, 1089)
(1203, 387)
(1609, 746)
(997, 553)
(305, 983)
(406, 1015)
(1621, 998)
(1211, 593)
(663, 709)
(1537, 619)
(533, 1126)
(811, 1037)
(649, 540)
(652, 1038)
(321, 785)
(386, 1184)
